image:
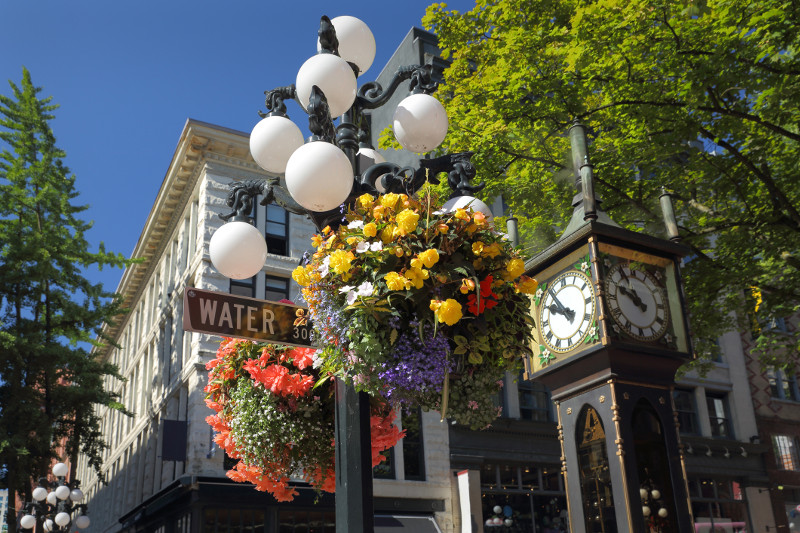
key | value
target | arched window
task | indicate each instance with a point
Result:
(598, 502)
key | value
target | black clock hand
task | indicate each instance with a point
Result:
(637, 301)
(567, 312)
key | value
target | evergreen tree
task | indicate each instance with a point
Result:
(700, 97)
(50, 313)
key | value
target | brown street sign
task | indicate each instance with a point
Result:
(219, 313)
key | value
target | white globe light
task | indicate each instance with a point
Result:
(497, 509)
(497, 521)
(643, 493)
(82, 522)
(508, 522)
(663, 512)
(62, 519)
(51, 498)
(467, 202)
(273, 141)
(334, 76)
(645, 510)
(238, 250)
(371, 154)
(656, 494)
(489, 522)
(62, 492)
(49, 525)
(356, 42)
(319, 176)
(420, 123)
(76, 495)
(27, 521)
(60, 470)
(379, 184)
(39, 493)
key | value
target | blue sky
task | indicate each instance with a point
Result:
(128, 74)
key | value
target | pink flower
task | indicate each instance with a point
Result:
(472, 404)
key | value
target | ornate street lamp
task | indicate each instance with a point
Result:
(56, 505)
(321, 177)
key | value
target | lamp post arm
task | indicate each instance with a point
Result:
(241, 196)
(372, 94)
(274, 99)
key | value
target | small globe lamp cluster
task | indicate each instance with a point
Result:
(55, 503)
(501, 518)
(322, 174)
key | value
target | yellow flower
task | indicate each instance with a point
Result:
(527, 285)
(389, 200)
(340, 261)
(429, 257)
(370, 229)
(300, 275)
(493, 250)
(387, 234)
(462, 214)
(398, 251)
(378, 212)
(416, 262)
(417, 276)
(467, 286)
(442, 228)
(407, 221)
(479, 218)
(316, 240)
(396, 282)
(477, 247)
(365, 201)
(352, 241)
(515, 268)
(448, 311)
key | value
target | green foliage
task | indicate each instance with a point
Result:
(703, 100)
(49, 312)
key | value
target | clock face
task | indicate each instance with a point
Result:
(567, 311)
(637, 302)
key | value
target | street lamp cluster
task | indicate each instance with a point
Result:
(55, 504)
(338, 163)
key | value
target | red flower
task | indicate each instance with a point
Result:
(487, 300)
(302, 358)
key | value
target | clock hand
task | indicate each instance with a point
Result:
(567, 312)
(637, 301)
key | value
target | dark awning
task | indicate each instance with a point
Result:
(398, 524)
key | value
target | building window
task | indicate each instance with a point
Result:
(233, 519)
(302, 521)
(718, 415)
(686, 410)
(786, 452)
(276, 288)
(718, 505)
(277, 230)
(534, 401)
(244, 287)
(782, 386)
(413, 453)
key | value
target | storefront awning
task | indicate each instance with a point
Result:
(399, 524)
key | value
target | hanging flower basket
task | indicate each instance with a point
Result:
(276, 416)
(419, 306)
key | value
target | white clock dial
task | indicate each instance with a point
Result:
(637, 302)
(567, 311)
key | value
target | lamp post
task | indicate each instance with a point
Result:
(55, 504)
(319, 178)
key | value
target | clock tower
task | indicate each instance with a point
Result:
(611, 331)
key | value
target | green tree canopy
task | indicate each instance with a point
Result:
(703, 100)
(49, 312)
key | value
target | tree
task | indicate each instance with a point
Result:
(703, 99)
(50, 314)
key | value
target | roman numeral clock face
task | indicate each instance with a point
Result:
(637, 302)
(567, 311)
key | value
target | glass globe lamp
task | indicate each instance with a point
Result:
(273, 141)
(27, 522)
(76, 495)
(420, 123)
(62, 519)
(238, 250)
(39, 493)
(333, 76)
(82, 522)
(60, 470)
(62, 492)
(319, 176)
(356, 42)
(467, 202)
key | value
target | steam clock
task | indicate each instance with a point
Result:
(611, 331)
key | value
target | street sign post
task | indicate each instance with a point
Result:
(219, 313)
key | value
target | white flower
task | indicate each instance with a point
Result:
(325, 266)
(365, 289)
(546, 354)
(361, 247)
(376, 246)
(346, 288)
(539, 293)
(592, 332)
(584, 266)
(351, 297)
(356, 224)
